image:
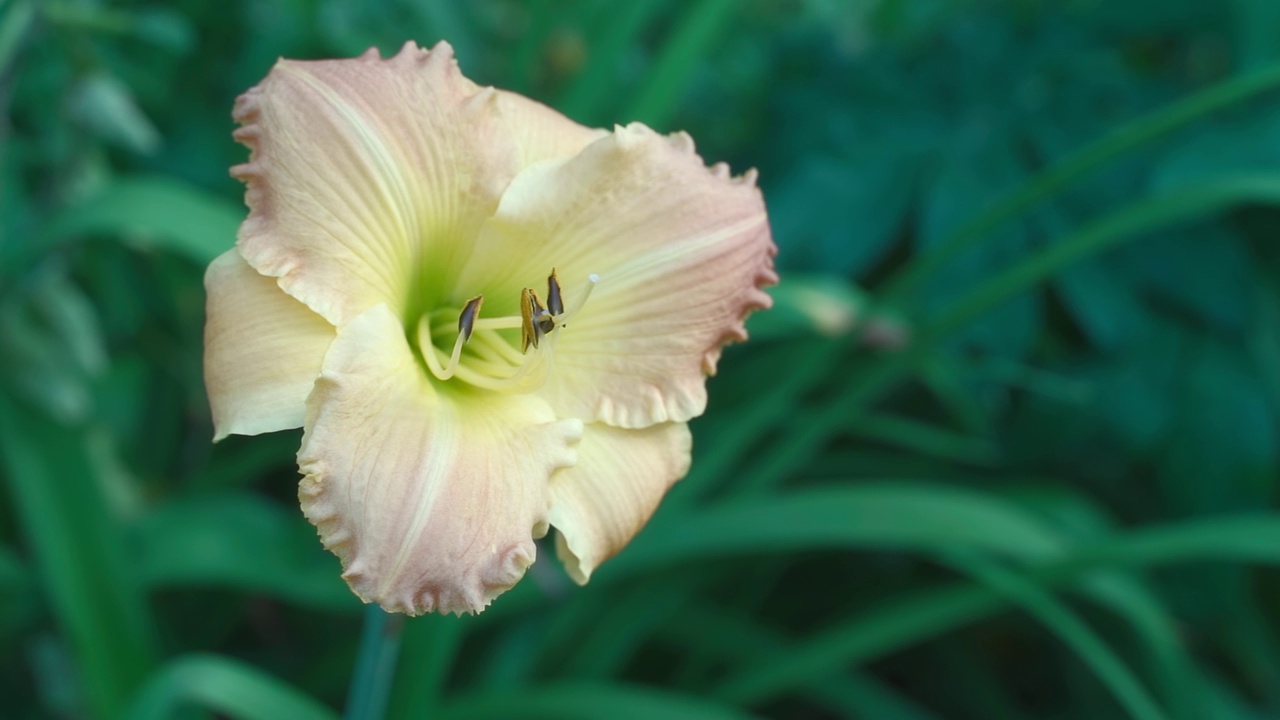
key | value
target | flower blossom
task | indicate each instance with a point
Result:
(489, 319)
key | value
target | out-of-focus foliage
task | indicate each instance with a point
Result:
(1007, 449)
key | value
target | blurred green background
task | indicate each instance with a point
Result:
(1007, 449)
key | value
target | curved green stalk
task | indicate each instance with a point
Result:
(375, 665)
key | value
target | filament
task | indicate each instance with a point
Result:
(494, 363)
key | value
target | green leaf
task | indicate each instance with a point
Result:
(1102, 235)
(723, 439)
(843, 216)
(1102, 302)
(588, 702)
(976, 169)
(79, 554)
(694, 33)
(731, 637)
(880, 515)
(15, 23)
(1246, 142)
(106, 106)
(225, 686)
(1251, 31)
(586, 97)
(924, 439)
(429, 648)
(240, 541)
(1123, 140)
(1070, 628)
(903, 621)
(1204, 271)
(158, 213)
(1221, 454)
(52, 345)
(19, 598)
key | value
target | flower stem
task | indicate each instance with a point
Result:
(375, 665)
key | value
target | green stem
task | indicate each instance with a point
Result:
(375, 665)
(1143, 131)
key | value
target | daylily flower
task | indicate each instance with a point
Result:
(488, 319)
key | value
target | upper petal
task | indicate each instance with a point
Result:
(431, 501)
(681, 252)
(262, 350)
(368, 177)
(600, 503)
(540, 132)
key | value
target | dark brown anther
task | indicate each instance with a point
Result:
(555, 303)
(467, 318)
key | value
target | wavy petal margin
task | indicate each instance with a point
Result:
(602, 502)
(368, 177)
(681, 250)
(431, 501)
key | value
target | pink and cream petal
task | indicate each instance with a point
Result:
(540, 132)
(368, 177)
(263, 350)
(431, 499)
(599, 504)
(681, 252)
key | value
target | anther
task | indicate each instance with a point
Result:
(535, 321)
(528, 329)
(555, 303)
(467, 319)
(492, 353)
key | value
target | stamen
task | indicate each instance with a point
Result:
(493, 355)
(555, 304)
(523, 380)
(535, 321)
(490, 343)
(467, 319)
(429, 350)
(509, 322)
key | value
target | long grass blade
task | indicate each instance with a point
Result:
(1105, 234)
(858, 389)
(227, 687)
(1128, 138)
(905, 621)
(585, 98)
(694, 35)
(589, 702)
(80, 555)
(1070, 628)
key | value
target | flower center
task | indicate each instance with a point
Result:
(491, 361)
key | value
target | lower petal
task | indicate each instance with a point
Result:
(431, 500)
(262, 350)
(600, 503)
